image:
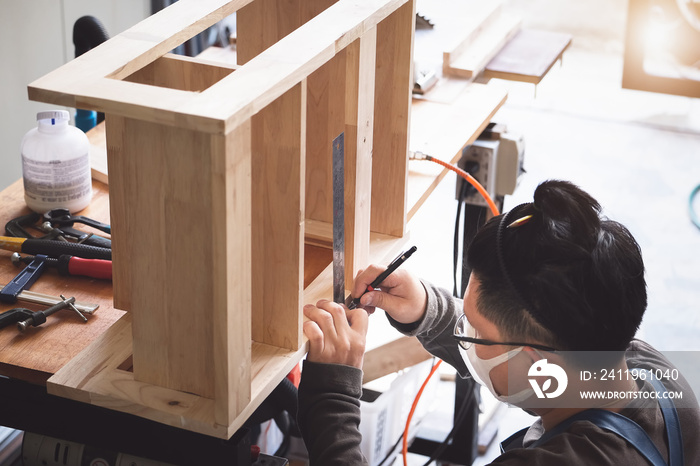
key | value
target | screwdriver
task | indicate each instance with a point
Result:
(71, 265)
(54, 248)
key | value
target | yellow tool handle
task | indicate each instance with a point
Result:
(11, 244)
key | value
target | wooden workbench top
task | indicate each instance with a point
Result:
(39, 352)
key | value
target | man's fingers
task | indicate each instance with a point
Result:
(315, 335)
(359, 320)
(321, 317)
(364, 278)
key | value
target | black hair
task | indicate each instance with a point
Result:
(568, 277)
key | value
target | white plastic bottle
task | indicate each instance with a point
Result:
(56, 164)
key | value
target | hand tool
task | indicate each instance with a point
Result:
(23, 280)
(63, 218)
(48, 300)
(70, 265)
(15, 227)
(54, 248)
(26, 317)
(339, 219)
(352, 303)
(37, 318)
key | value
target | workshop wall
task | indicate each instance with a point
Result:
(36, 37)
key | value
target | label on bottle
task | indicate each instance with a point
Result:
(57, 181)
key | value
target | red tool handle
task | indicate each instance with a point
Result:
(95, 268)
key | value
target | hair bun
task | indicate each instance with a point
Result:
(566, 210)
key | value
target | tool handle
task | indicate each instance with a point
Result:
(95, 268)
(94, 223)
(59, 248)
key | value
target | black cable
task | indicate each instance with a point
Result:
(461, 414)
(455, 256)
(390, 453)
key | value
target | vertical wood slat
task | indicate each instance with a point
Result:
(231, 191)
(278, 219)
(325, 121)
(163, 218)
(117, 163)
(359, 116)
(394, 82)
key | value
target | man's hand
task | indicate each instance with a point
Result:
(402, 295)
(336, 334)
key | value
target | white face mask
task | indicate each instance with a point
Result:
(480, 369)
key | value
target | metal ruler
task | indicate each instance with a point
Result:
(339, 219)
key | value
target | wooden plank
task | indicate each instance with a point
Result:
(393, 357)
(325, 121)
(119, 162)
(278, 220)
(528, 56)
(433, 133)
(163, 249)
(230, 273)
(482, 49)
(359, 123)
(480, 17)
(394, 82)
(98, 153)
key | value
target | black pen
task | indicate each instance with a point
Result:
(400, 259)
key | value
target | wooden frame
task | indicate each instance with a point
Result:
(215, 177)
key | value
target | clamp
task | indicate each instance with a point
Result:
(24, 279)
(26, 318)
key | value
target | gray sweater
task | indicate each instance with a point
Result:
(329, 406)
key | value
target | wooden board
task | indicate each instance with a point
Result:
(279, 133)
(528, 56)
(393, 357)
(474, 58)
(472, 23)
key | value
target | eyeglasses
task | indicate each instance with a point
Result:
(466, 335)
